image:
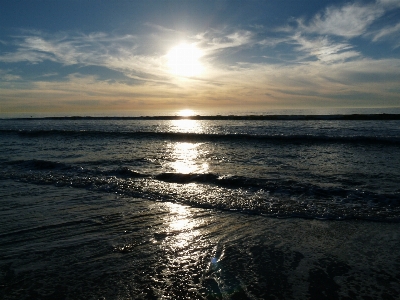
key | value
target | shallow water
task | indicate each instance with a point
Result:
(69, 243)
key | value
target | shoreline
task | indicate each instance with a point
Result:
(148, 249)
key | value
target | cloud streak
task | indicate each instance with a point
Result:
(350, 20)
(387, 33)
(98, 49)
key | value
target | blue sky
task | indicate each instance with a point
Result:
(108, 56)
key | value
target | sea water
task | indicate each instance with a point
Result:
(216, 208)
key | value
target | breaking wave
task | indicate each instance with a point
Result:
(271, 197)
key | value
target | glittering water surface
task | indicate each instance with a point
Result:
(189, 209)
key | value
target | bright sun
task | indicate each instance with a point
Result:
(186, 113)
(183, 60)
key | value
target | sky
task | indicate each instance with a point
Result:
(92, 56)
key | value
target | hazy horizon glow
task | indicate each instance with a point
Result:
(59, 57)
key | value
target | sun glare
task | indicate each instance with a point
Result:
(186, 113)
(183, 60)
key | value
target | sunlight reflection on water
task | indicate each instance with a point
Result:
(182, 225)
(186, 160)
(185, 157)
(186, 126)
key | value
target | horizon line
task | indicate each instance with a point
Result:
(345, 117)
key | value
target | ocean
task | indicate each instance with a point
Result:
(217, 207)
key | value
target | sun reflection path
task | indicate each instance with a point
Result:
(183, 251)
(182, 224)
(186, 159)
(186, 126)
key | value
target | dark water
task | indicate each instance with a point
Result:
(199, 209)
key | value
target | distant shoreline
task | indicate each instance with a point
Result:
(336, 117)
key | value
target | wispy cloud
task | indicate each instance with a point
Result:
(7, 76)
(50, 74)
(387, 33)
(114, 52)
(324, 49)
(160, 28)
(215, 40)
(328, 36)
(348, 21)
(389, 3)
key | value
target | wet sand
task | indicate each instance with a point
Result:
(67, 243)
